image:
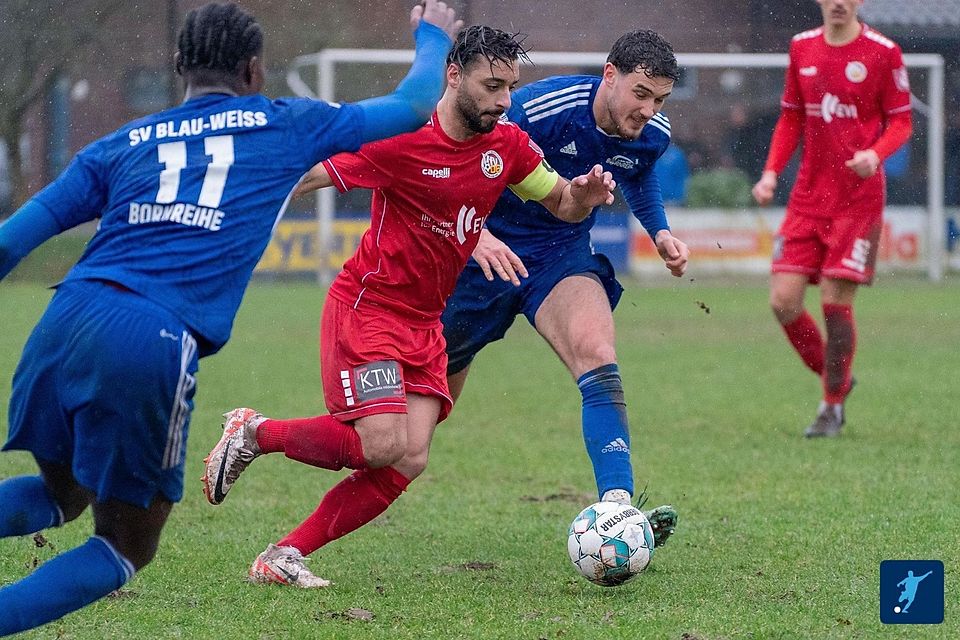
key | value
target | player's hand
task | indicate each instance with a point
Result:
(593, 188)
(493, 255)
(675, 253)
(438, 14)
(764, 189)
(864, 163)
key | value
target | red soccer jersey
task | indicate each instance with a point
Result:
(431, 195)
(847, 93)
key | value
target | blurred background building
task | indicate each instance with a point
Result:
(71, 72)
(74, 71)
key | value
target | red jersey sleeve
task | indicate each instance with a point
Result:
(368, 168)
(896, 87)
(792, 97)
(526, 153)
(789, 129)
(895, 101)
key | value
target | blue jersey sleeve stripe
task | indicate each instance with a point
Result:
(558, 101)
(658, 125)
(552, 112)
(555, 94)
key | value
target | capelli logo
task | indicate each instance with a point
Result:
(437, 173)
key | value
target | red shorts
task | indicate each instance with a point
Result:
(369, 362)
(842, 248)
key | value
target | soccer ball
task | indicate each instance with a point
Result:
(610, 543)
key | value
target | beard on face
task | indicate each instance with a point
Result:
(473, 117)
(621, 123)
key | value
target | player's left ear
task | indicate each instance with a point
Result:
(254, 75)
(609, 73)
(454, 75)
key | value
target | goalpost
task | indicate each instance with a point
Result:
(932, 65)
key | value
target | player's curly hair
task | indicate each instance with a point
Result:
(218, 38)
(647, 50)
(491, 44)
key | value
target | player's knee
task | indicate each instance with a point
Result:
(785, 306)
(385, 443)
(591, 353)
(71, 510)
(140, 551)
(70, 497)
(412, 464)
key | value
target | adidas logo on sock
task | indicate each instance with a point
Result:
(616, 445)
(570, 149)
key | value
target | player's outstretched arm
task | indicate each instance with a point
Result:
(24, 231)
(573, 201)
(410, 105)
(317, 178)
(494, 256)
(436, 13)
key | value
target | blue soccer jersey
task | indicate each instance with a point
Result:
(187, 198)
(557, 112)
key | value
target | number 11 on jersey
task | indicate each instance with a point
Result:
(173, 156)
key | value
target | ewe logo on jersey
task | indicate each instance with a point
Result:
(468, 222)
(830, 108)
(491, 164)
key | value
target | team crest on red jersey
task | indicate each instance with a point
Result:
(491, 164)
(856, 71)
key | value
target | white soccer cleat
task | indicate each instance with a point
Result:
(234, 452)
(284, 565)
(620, 496)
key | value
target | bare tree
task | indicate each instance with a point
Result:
(39, 41)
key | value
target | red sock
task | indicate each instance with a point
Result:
(841, 345)
(322, 441)
(805, 337)
(355, 501)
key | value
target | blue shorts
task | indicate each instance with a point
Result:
(480, 312)
(105, 385)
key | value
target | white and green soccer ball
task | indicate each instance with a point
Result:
(610, 543)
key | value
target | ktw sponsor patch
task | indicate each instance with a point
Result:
(372, 381)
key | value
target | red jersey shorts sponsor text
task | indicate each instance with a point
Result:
(842, 248)
(369, 362)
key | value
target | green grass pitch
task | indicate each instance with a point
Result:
(778, 537)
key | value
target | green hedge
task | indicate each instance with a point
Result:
(719, 189)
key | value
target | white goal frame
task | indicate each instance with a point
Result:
(325, 62)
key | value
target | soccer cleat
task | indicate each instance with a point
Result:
(663, 521)
(621, 496)
(830, 419)
(236, 449)
(284, 565)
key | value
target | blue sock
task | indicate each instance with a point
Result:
(68, 582)
(26, 507)
(605, 431)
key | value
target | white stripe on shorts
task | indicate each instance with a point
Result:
(173, 453)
